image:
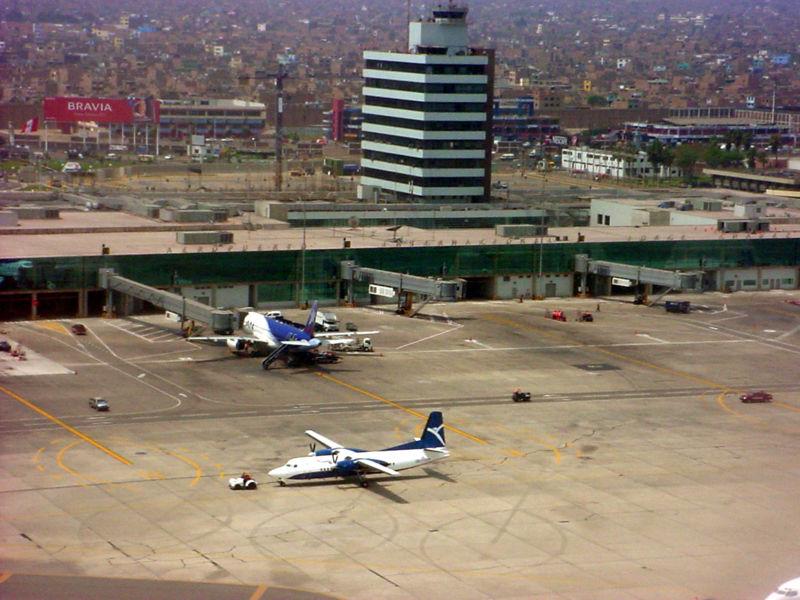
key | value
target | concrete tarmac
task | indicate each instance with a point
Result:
(635, 472)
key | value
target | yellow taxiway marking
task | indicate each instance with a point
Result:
(410, 411)
(198, 471)
(789, 406)
(5, 577)
(60, 462)
(69, 428)
(260, 590)
(52, 326)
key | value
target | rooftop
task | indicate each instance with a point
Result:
(162, 239)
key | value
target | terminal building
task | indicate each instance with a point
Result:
(427, 116)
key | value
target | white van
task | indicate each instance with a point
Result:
(326, 322)
(71, 167)
(507, 156)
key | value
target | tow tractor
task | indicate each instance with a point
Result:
(558, 315)
(245, 482)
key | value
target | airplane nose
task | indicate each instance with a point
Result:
(275, 472)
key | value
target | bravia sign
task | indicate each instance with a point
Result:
(101, 110)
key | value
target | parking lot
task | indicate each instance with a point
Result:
(634, 472)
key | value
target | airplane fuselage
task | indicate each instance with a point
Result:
(340, 463)
(272, 332)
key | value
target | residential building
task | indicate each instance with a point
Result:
(343, 123)
(614, 164)
(427, 119)
(214, 118)
(513, 120)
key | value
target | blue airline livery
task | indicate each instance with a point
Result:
(337, 461)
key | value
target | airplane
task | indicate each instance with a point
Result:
(298, 343)
(338, 461)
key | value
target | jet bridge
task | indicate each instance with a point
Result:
(671, 280)
(221, 321)
(403, 285)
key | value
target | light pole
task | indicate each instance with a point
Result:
(303, 262)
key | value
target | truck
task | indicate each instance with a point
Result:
(326, 321)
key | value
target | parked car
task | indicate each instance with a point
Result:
(98, 404)
(78, 329)
(520, 396)
(677, 306)
(753, 397)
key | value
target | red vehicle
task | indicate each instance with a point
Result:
(78, 329)
(558, 315)
(753, 397)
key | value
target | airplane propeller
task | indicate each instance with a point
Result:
(313, 447)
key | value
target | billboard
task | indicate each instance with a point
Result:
(73, 109)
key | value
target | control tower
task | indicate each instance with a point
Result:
(427, 116)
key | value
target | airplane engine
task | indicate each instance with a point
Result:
(346, 465)
(237, 345)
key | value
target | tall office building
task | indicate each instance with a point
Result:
(427, 116)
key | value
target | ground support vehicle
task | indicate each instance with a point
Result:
(520, 396)
(244, 482)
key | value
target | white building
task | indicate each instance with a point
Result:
(426, 133)
(617, 165)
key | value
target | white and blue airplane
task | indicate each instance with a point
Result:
(337, 461)
(277, 336)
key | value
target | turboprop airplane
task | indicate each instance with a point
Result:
(278, 337)
(338, 461)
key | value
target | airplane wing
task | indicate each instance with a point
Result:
(343, 334)
(298, 343)
(376, 466)
(323, 440)
(222, 338)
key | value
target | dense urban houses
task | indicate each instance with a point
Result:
(427, 118)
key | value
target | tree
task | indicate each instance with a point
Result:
(686, 157)
(775, 144)
(750, 157)
(658, 154)
(762, 157)
(597, 100)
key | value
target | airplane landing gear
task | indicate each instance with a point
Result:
(281, 483)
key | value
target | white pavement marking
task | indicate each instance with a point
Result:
(788, 333)
(647, 335)
(477, 343)
(55, 339)
(731, 318)
(567, 346)
(455, 328)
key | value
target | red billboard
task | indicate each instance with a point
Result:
(73, 109)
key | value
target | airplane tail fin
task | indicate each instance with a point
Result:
(312, 319)
(433, 434)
